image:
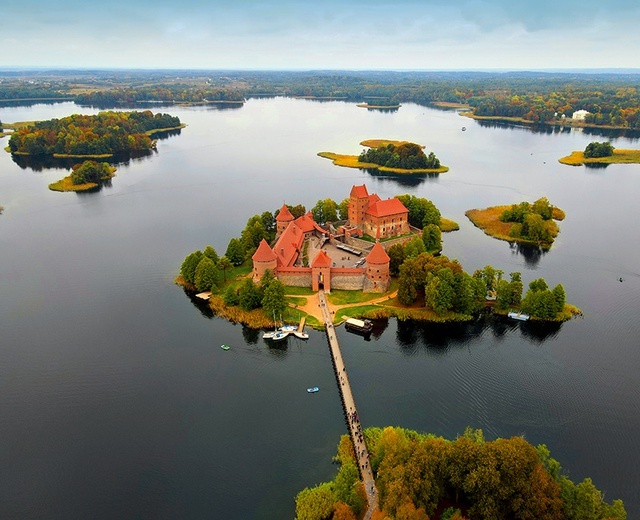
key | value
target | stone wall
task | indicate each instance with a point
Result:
(347, 279)
(377, 286)
(295, 277)
(359, 244)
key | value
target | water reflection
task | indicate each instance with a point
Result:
(538, 128)
(596, 166)
(251, 336)
(410, 180)
(438, 338)
(531, 254)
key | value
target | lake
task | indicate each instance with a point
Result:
(117, 401)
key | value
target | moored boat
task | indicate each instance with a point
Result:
(361, 326)
(518, 316)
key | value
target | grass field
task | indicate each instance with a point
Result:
(619, 156)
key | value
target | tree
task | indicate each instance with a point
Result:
(210, 252)
(325, 211)
(414, 247)
(432, 238)
(235, 251)
(273, 300)
(343, 209)
(596, 149)
(224, 265)
(396, 256)
(559, 298)
(249, 295)
(315, 503)
(188, 268)
(231, 297)
(206, 274)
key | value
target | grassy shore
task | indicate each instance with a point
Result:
(351, 161)
(66, 184)
(446, 225)
(488, 220)
(568, 312)
(620, 156)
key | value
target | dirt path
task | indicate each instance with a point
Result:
(312, 307)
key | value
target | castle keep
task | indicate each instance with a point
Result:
(333, 264)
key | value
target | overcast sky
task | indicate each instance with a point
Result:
(321, 34)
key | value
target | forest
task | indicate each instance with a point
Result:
(422, 476)
(537, 97)
(409, 156)
(102, 134)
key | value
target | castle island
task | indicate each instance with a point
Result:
(336, 254)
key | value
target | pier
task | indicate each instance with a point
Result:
(351, 413)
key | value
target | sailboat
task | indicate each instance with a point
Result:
(277, 334)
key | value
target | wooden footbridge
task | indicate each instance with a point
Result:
(351, 413)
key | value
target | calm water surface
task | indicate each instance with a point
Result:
(117, 402)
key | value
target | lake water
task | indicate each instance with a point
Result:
(117, 401)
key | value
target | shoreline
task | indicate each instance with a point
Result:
(351, 161)
(620, 156)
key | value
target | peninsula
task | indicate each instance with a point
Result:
(386, 155)
(420, 476)
(524, 223)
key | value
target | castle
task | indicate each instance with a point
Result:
(332, 260)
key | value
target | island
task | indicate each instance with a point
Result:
(85, 177)
(601, 153)
(97, 136)
(420, 476)
(524, 223)
(386, 155)
(375, 258)
(379, 106)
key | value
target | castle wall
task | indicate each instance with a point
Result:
(347, 279)
(296, 277)
(376, 286)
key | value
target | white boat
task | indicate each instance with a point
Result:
(301, 335)
(278, 335)
(288, 328)
(313, 389)
(518, 316)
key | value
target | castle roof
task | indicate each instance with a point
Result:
(307, 224)
(321, 260)
(378, 255)
(373, 198)
(264, 253)
(386, 208)
(284, 215)
(288, 246)
(359, 192)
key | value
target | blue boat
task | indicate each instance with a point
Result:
(518, 316)
(313, 390)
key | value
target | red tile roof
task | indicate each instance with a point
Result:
(321, 260)
(378, 255)
(288, 246)
(264, 253)
(373, 198)
(386, 208)
(284, 215)
(359, 192)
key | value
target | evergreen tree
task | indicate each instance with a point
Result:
(188, 268)
(205, 276)
(210, 252)
(231, 297)
(249, 295)
(235, 251)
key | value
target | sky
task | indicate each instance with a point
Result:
(321, 34)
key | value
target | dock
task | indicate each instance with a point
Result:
(350, 411)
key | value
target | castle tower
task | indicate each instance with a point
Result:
(283, 220)
(377, 276)
(358, 204)
(321, 272)
(264, 258)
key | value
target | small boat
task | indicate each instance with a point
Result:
(360, 326)
(278, 335)
(288, 328)
(464, 128)
(313, 390)
(225, 347)
(518, 316)
(301, 335)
